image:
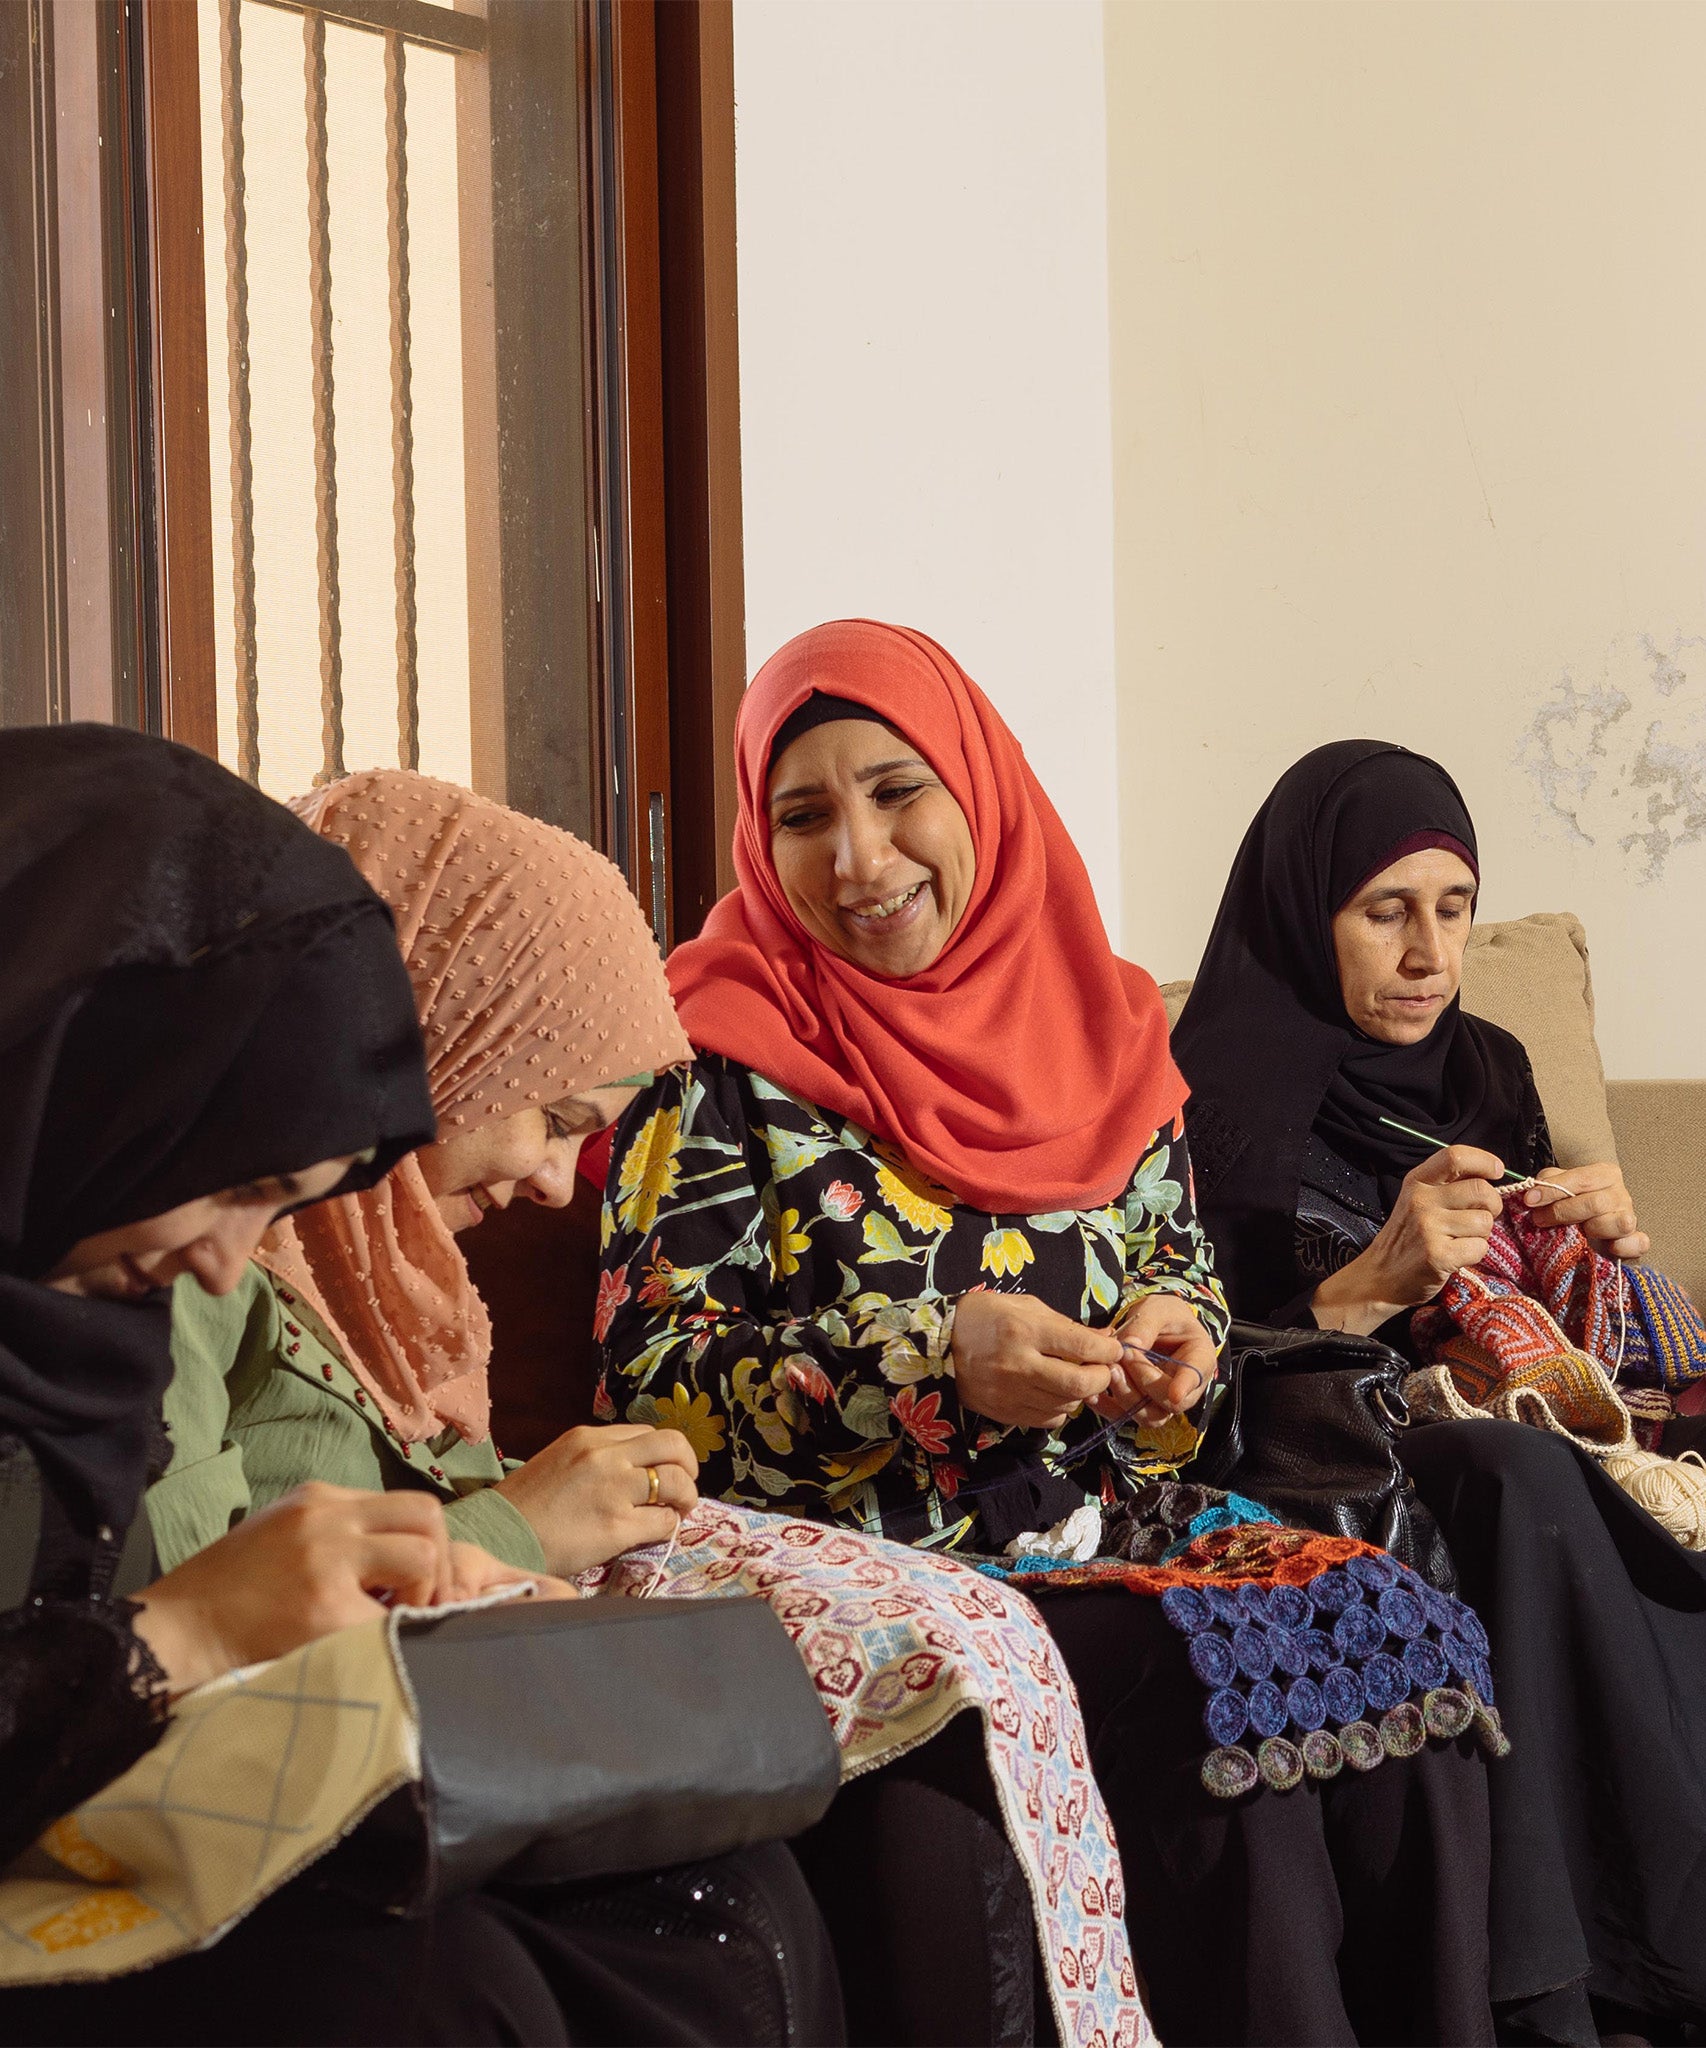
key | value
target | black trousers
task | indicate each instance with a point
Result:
(1598, 1622)
(729, 1951)
(1353, 1911)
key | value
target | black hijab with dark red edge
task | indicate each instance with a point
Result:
(196, 992)
(1265, 1041)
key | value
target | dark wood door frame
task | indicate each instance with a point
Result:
(702, 476)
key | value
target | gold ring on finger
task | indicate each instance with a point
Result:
(651, 1486)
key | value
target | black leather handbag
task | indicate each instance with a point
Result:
(1308, 1424)
(593, 1738)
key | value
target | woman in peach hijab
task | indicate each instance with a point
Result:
(362, 1354)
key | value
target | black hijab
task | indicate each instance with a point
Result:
(196, 991)
(1265, 1041)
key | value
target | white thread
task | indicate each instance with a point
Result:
(663, 1563)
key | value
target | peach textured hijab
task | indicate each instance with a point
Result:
(536, 977)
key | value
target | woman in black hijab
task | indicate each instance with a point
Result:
(1327, 1004)
(204, 1022)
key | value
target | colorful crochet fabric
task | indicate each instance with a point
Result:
(897, 1642)
(1315, 1652)
(1536, 1331)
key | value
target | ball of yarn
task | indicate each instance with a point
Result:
(1672, 1490)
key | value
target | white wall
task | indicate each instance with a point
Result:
(1409, 392)
(924, 353)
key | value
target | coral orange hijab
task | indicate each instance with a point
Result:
(1027, 1067)
(535, 977)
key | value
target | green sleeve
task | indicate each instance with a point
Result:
(204, 1489)
(262, 1400)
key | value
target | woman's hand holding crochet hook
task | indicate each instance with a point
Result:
(1595, 1198)
(1441, 1222)
(1024, 1364)
(1169, 1363)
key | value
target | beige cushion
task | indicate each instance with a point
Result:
(1531, 975)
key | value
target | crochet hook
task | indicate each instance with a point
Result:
(1391, 1122)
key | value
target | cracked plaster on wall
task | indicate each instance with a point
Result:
(1622, 761)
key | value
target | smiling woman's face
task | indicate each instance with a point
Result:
(872, 850)
(533, 1153)
(1399, 943)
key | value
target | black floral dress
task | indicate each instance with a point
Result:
(780, 1286)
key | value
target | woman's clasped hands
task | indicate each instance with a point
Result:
(1027, 1366)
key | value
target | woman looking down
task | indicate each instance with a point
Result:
(204, 1023)
(1328, 1001)
(917, 1227)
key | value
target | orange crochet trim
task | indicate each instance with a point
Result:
(1261, 1553)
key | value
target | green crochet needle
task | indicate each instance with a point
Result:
(1392, 1123)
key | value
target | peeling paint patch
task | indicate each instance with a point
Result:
(1621, 761)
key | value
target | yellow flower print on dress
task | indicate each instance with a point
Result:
(787, 1244)
(909, 1201)
(1006, 1251)
(649, 1171)
(691, 1414)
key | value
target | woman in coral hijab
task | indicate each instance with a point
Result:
(912, 1247)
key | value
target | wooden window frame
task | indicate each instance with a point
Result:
(106, 559)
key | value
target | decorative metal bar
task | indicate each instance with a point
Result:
(416, 21)
(237, 362)
(325, 415)
(402, 400)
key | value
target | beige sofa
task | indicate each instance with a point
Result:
(1532, 976)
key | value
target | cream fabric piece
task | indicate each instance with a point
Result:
(256, 1776)
(536, 977)
(1531, 976)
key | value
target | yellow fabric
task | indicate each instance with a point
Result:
(256, 1776)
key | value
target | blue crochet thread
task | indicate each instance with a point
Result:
(1402, 1612)
(1323, 1651)
(1373, 1572)
(1226, 1716)
(1426, 1664)
(1439, 1610)
(1385, 1680)
(1187, 1609)
(1254, 1652)
(1267, 1708)
(1290, 1607)
(1470, 1629)
(1225, 1605)
(1254, 1601)
(1332, 1591)
(1342, 1689)
(1359, 1632)
(1304, 1706)
(1212, 1659)
(1291, 1652)
(1459, 1656)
